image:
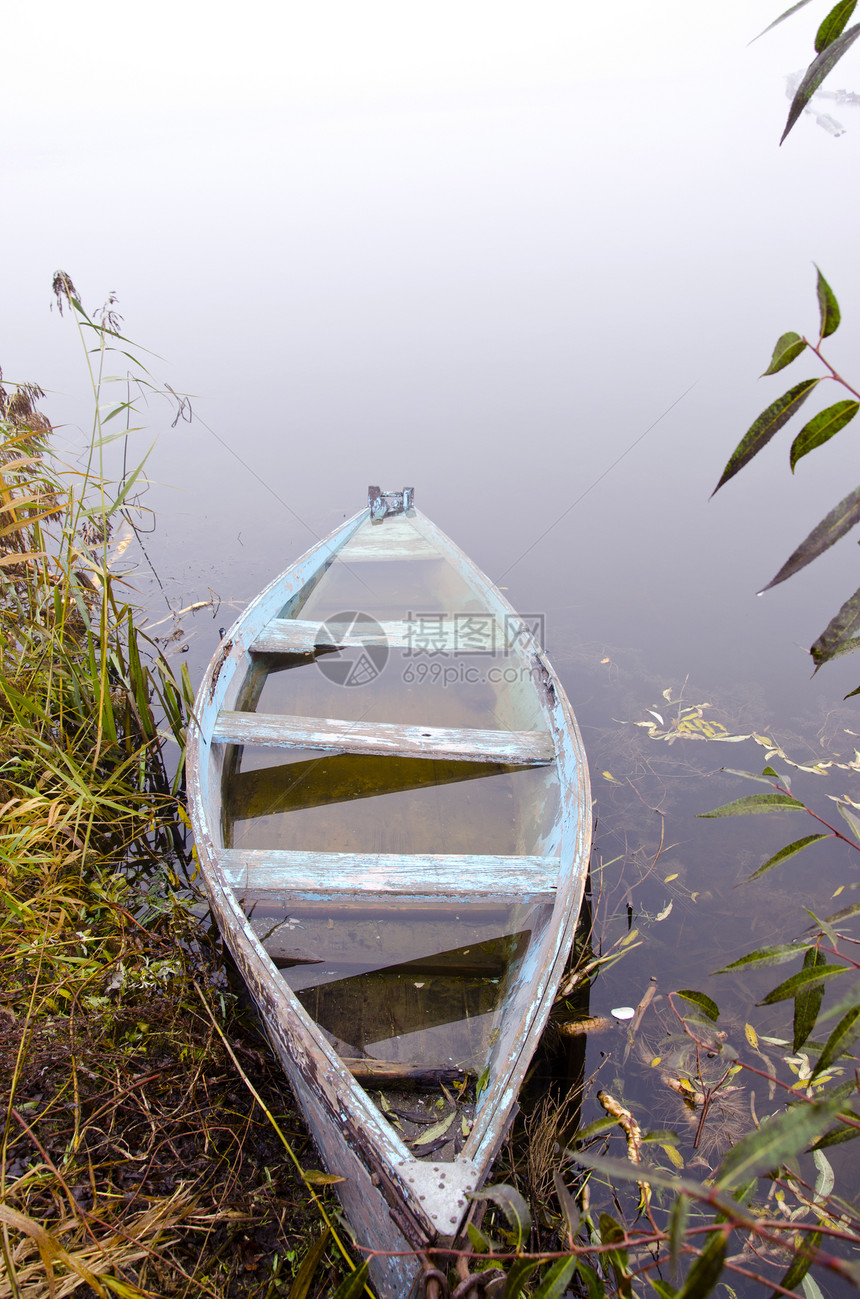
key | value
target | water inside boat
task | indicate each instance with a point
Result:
(411, 983)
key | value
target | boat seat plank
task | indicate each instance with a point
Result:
(314, 876)
(522, 748)
(300, 636)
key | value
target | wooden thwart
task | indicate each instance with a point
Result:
(301, 636)
(357, 876)
(522, 748)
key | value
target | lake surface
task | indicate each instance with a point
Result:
(544, 303)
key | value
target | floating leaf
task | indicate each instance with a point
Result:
(512, 1205)
(755, 803)
(807, 977)
(781, 1137)
(832, 26)
(844, 1032)
(827, 305)
(788, 347)
(776, 955)
(821, 428)
(801, 4)
(710, 1008)
(769, 422)
(751, 1036)
(852, 820)
(790, 850)
(813, 77)
(834, 640)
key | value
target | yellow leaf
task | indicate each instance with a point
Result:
(674, 1155)
(316, 1178)
(606, 660)
(656, 1061)
(838, 891)
(751, 1036)
(628, 939)
(607, 775)
(669, 878)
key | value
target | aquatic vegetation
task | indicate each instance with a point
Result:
(134, 1160)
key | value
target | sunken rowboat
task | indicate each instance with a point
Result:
(392, 815)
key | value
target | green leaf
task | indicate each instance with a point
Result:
(782, 1137)
(756, 803)
(801, 4)
(767, 956)
(801, 1264)
(849, 816)
(611, 1232)
(827, 305)
(807, 1002)
(834, 640)
(705, 1272)
(704, 1003)
(788, 348)
(790, 850)
(813, 77)
(520, 1271)
(832, 26)
(664, 1290)
(480, 1243)
(353, 1285)
(596, 1288)
(844, 1033)
(677, 1228)
(569, 1208)
(512, 1205)
(554, 1283)
(769, 422)
(833, 526)
(751, 775)
(305, 1275)
(805, 978)
(821, 428)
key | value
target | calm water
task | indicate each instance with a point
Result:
(544, 304)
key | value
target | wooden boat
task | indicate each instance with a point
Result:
(392, 815)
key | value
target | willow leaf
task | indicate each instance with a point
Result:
(705, 1272)
(835, 638)
(305, 1275)
(512, 1205)
(769, 422)
(788, 348)
(798, 1269)
(801, 4)
(782, 1137)
(827, 304)
(844, 1033)
(815, 74)
(754, 803)
(790, 850)
(832, 26)
(353, 1286)
(834, 525)
(569, 1208)
(803, 979)
(807, 1002)
(850, 818)
(777, 955)
(554, 1284)
(821, 428)
(710, 1008)
(677, 1230)
(519, 1273)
